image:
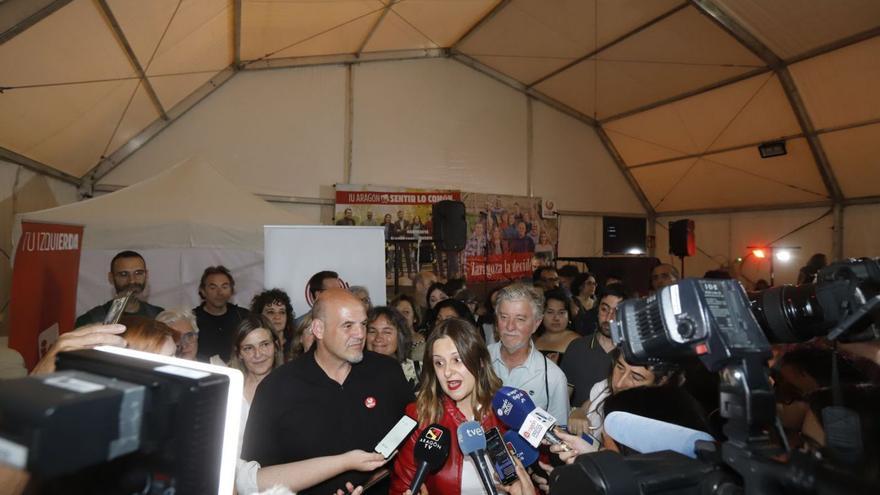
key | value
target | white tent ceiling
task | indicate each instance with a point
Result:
(680, 92)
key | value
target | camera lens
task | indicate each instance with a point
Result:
(791, 314)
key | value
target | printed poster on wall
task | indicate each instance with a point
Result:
(44, 279)
(405, 213)
(507, 237)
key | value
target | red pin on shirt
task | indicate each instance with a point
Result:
(370, 402)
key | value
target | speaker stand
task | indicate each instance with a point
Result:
(681, 270)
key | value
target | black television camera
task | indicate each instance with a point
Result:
(119, 421)
(715, 321)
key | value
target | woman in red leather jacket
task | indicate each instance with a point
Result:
(457, 385)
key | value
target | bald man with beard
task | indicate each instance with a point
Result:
(333, 399)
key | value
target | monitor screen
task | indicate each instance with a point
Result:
(623, 235)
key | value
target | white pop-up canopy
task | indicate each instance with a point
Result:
(182, 220)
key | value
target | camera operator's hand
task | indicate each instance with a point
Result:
(82, 338)
(541, 482)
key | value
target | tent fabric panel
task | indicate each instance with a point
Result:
(437, 124)
(575, 87)
(571, 167)
(198, 39)
(616, 18)
(139, 114)
(627, 85)
(523, 69)
(273, 132)
(270, 27)
(395, 33)
(792, 27)
(441, 21)
(840, 87)
(721, 238)
(174, 88)
(686, 37)
(657, 181)
(748, 111)
(79, 121)
(860, 226)
(735, 179)
(529, 30)
(54, 50)
(143, 24)
(346, 38)
(853, 154)
(579, 236)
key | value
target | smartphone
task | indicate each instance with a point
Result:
(500, 457)
(116, 309)
(396, 436)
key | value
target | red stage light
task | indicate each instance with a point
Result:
(759, 253)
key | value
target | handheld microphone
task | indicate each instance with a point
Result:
(647, 435)
(515, 408)
(472, 442)
(523, 450)
(430, 453)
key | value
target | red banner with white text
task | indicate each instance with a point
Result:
(498, 267)
(44, 279)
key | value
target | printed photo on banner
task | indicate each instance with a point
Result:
(404, 213)
(507, 237)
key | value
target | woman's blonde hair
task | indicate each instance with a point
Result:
(475, 356)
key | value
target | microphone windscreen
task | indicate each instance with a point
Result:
(647, 435)
(526, 453)
(471, 437)
(512, 406)
(432, 447)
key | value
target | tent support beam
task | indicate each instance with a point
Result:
(236, 34)
(349, 124)
(16, 16)
(600, 214)
(746, 209)
(747, 39)
(530, 147)
(710, 152)
(343, 59)
(624, 170)
(35, 166)
(360, 49)
(611, 43)
(479, 24)
(837, 240)
(107, 164)
(132, 58)
(271, 198)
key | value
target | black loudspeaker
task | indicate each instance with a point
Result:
(449, 225)
(681, 238)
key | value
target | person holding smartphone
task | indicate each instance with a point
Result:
(458, 384)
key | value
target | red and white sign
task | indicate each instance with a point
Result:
(394, 197)
(44, 279)
(497, 267)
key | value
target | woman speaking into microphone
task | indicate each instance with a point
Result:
(457, 385)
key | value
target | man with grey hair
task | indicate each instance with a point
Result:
(183, 322)
(519, 310)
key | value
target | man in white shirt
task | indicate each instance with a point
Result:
(518, 313)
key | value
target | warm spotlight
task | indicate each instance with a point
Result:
(759, 253)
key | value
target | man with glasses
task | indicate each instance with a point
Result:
(545, 278)
(128, 274)
(586, 359)
(183, 322)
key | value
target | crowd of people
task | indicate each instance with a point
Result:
(322, 389)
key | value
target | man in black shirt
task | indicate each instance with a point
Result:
(217, 318)
(128, 273)
(333, 399)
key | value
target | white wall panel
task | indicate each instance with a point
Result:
(580, 236)
(437, 123)
(571, 166)
(861, 225)
(275, 132)
(722, 238)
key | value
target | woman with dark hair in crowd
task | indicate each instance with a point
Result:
(275, 305)
(389, 334)
(148, 335)
(808, 272)
(450, 308)
(436, 292)
(458, 384)
(586, 302)
(486, 321)
(407, 307)
(555, 335)
(302, 339)
(623, 376)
